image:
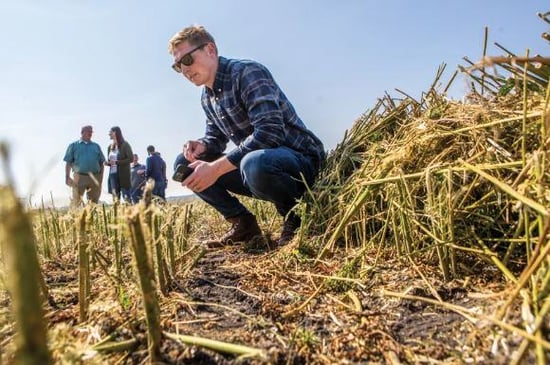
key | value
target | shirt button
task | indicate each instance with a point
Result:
(219, 90)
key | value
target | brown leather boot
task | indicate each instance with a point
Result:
(243, 229)
(290, 226)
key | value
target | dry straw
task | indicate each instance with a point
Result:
(437, 170)
(448, 181)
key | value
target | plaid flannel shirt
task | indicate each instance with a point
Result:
(247, 107)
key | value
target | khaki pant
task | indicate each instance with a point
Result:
(89, 184)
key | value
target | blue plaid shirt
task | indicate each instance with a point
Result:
(247, 107)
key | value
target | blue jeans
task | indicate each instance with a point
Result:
(136, 194)
(272, 174)
(159, 189)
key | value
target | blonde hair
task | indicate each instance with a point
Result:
(194, 34)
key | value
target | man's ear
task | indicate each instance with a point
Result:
(211, 49)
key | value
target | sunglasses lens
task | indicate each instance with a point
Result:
(176, 67)
(187, 60)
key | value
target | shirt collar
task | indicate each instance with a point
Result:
(220, 76)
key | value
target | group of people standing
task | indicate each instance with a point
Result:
(126, 176)
(274, 159)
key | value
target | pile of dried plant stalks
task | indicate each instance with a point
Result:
(456, 183)
(438, 173)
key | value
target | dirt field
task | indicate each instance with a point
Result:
(285, 304)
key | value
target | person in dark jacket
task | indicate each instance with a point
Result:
(119, 157)
(156, 170)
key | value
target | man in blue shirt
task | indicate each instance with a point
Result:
(85, 159)
(275, 155)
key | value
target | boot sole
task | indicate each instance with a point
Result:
(217, 244)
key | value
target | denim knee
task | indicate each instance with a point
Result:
(256, 171)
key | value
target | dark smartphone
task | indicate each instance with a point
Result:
(181, 172)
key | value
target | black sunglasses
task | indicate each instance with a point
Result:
(186, 59)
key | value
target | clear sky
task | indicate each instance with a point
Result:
(67, 63)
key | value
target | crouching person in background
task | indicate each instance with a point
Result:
(137, 180)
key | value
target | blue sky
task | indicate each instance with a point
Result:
(69, 63)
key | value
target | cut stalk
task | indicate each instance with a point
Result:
(19, 248)
(83, 268)
(147, 284)
(219, 346)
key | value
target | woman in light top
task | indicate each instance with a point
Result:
(119, 158)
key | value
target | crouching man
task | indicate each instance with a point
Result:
(274, 149)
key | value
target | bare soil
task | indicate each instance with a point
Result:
(290, 306)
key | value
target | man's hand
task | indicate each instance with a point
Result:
(206, 173)
(193, 149)
(69, 181)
